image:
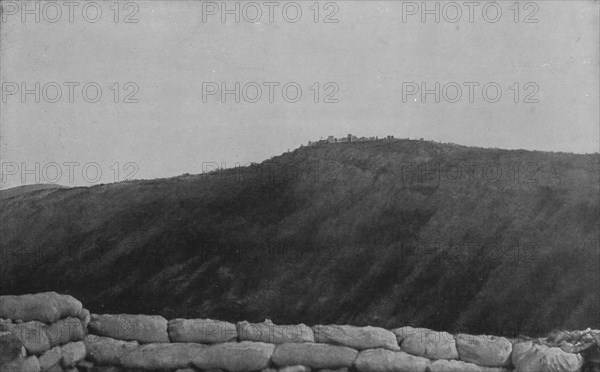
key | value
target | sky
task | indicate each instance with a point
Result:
(355, 67)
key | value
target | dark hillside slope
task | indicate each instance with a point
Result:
(383, 233)
(21, 190)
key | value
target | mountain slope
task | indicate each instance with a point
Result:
(383, 233)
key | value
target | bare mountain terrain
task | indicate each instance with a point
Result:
(385, 233)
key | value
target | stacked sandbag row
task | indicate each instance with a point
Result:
(118, 343)
(153, 343)
(141, 342)
(463, 352)
(42, 332)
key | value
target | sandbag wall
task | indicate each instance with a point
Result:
(42, 332)
(122, 342)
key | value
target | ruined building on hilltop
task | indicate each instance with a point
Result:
(346, 139)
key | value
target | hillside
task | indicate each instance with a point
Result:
(20, 190)
(332, 233)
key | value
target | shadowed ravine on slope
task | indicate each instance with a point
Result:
(380, 233)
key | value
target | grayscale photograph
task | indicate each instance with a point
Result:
(299, 186)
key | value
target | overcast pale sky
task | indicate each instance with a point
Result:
(367, 57)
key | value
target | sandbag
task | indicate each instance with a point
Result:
(382, 360)
(491, 351)
(10, 347)
(235, 356)
(269, 332)
(426, 343)
(161, 356)
(314, 355)
(64, 331)
(47, 307)
(531, 357)
(204, 331)
(444, 365)
(295, 369)
(85, 317)
(141, 328)
(73, 353)
(63, 356)
(110, 369)
(359, 338)
(32, 334)
(29, 364)
(107, 351)
(50, 359)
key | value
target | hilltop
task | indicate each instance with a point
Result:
(385, 233)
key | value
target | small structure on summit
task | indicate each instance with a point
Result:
(349, 138)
